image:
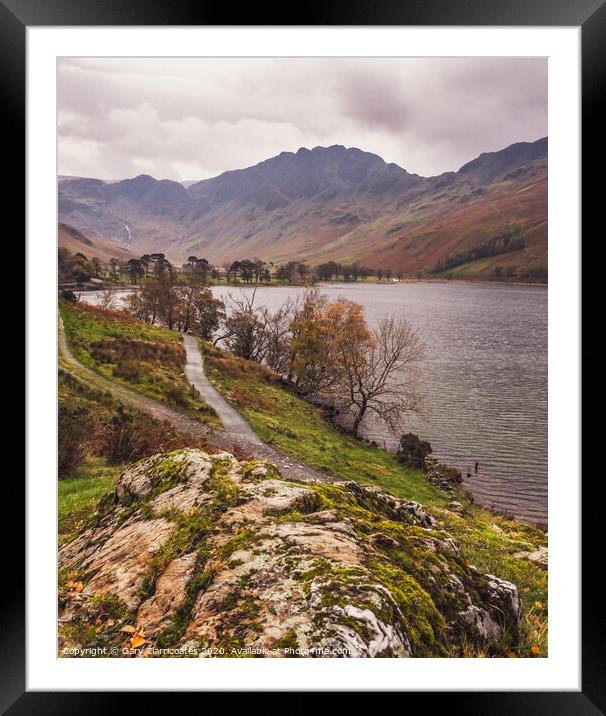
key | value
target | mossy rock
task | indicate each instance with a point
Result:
(212, 551)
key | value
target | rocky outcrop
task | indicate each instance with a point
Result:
(441, 476)
(202, 555)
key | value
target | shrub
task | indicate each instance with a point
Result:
(246, 399)
(76, 430)
(120, 349)
(240, 368)
(177, 395)
(120, 439)
(129, 370)
(68, 295)
(131, 436)
(412, 451)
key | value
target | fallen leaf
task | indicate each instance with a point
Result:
(539, 605)
(535, 648)
(78, 586)
(128, 629)
(137, 641)
(512, 655)
(110, 622)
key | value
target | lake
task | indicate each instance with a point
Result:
(484, 380)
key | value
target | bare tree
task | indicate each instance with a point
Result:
(379, 373)
(277, 329)
(145, 304)
(244, 328)
(107, 297)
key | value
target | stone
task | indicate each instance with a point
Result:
(157, 612)
(441, 476)
(539, 556)
(195, 556)
(120, 563)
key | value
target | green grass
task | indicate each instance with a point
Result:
(87, 326)
(298, 429)
(490, 542)
(79, 493)
(86, 323)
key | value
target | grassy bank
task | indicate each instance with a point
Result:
(297, 428)
(79, 493)
(104, 438)
(145, 358)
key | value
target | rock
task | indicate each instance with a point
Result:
(162, 470)
(456, 507)
(206, 555)
(540, 556)
(481, 622)
(504, 596)
(119, 563)
(441, 476)
(169, 595)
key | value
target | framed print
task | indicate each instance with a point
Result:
(303, 352)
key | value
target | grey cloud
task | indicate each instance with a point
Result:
(193, 118)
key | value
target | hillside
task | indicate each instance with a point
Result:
(334, 204)
(77, 242)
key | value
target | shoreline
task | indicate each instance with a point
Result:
(464, 487)
(219, 284)
(433, 281)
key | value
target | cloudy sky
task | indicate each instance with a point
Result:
(189, 119)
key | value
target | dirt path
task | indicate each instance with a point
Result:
(233, 423)
(235, 429)
(152, 407)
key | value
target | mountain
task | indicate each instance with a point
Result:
(334, 203)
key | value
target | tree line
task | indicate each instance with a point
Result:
(77, 268)
(510, 240)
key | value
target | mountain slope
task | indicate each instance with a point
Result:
(334, 203)
(77, 242)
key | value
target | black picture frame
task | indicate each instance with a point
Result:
(590, 15)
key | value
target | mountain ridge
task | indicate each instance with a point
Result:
(326, 203)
